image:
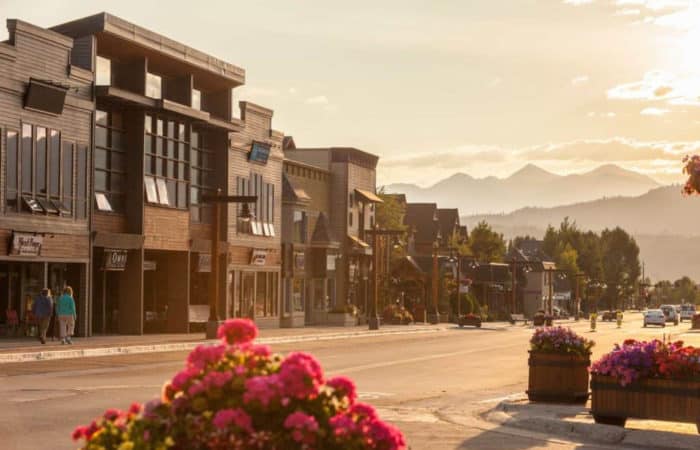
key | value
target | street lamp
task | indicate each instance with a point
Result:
(373, 317)
(217, 199)
(578, 299)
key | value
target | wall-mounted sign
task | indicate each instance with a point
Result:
(330, 262)
(258, 257)
(299, 261)
(25, 244)
(204, 262)
(114, 259)
(260, 152)
(149, 265)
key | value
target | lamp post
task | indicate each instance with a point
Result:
(578, 297)
(217, 199)
(455, 258)
(373, 318)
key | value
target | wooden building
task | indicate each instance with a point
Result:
(166, 133)
(46, 112)
(310, 248)
(353, 198)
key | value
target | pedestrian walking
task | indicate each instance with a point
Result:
(52, 331)
(42, 308)
(65, 309)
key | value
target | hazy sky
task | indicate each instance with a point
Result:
(434, 87)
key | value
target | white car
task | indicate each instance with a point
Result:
(654, 317)
(687, 312)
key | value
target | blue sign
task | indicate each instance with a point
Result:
(260, 152)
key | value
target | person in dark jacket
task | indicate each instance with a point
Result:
(42, 310)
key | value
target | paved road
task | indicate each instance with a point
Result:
(431, 385)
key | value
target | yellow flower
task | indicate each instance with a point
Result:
(169, 441)
(128, 445)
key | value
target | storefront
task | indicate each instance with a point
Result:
(254, 287)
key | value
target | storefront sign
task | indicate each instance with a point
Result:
(258, 257)
(26, 244)
(149, 265)
(299, 261)
(114, 259)
(330, 262)
(204, 262)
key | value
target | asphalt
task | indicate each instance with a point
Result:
(438, 387)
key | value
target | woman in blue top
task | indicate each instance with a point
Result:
(65, 310)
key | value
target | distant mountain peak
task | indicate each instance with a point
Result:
(455, 178)
(532, 172)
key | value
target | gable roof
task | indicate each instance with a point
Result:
(448, 220)
(323, 235)
(422, 218)
(293, 194)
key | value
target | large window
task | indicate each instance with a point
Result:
(266, 288)
(81, 189)
(154, 86)
(165, 158)
(201, 175)
(103, 72)
(110, 156)
(37, 180)
(299, 228)
(263, 209)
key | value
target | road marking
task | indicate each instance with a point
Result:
(373, 395)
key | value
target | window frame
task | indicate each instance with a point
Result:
(157, 159)
(111, 173)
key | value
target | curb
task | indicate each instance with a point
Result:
(505, 413)
(19, 357)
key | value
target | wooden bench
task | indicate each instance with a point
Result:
(518, 318)
(198, 314)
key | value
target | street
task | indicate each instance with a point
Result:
(431, 385)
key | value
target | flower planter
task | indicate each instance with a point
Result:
(695, 324)
(654, 399)
(467, 321)
(558, 378)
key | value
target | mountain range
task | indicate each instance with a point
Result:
(529, 186)
(663, 221)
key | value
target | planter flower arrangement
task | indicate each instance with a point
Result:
(559, 360)
(237, 395)
(691, 167)
(637, 360)
(647, 380)
(560, 340)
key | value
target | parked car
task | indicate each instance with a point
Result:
(687, 312)
(559, 313)
(654, 317)
(607, 316)
(670, 313)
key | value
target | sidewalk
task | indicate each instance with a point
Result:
(29, 349)
(575, 422)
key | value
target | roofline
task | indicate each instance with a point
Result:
(294, 162)
(123, 29)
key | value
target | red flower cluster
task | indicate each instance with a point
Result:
(237, 395)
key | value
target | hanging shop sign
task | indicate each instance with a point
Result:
(258, 257)
(149, 265)
(330, 261)
(114, 259)
(299, 261)
(25, 244)
(204, 262)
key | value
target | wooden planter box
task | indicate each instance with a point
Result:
(672, 400)
(558, 378)
(465, 321)
(341, 319)
(695, 323)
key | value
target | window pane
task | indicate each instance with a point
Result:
(101, 117)
(40, 173)
(101, 136)
(194, 195)
(147, 144)
(159, 166)
(159, 146)
(171, 149)
(148, 124)
(195, 214)
(171, 129)
(117, 202)
(149, 165)
(172, 193)
(116, 120)
(11, 169)
(117, 161)
(181, 195)
(153, 85)
(67, 168)
(181, 131)
(27, 160)
(151, 195)
(181, 171)
(171, 169)
(194, 139)
(54, 164)
(116, 182)
(196, 99)
(159, 127)
(100, 158)
(117, 140)
(100, 180)
(162, 191)
(81, 199)
(103, 71)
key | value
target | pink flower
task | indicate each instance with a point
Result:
(237, 331)
(183, 377)
(303, 426)
(204, 355)
(344, 386)
(386, 436)
(135, 408)
(262, 389)
(237, 417)
(111, 414)
(363, 410)
(342, 425)
(300, 375)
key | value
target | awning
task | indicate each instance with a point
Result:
(357, 241)
(292, 193)
(368, 196)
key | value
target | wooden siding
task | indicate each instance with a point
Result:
(166, 229)
(240, 256)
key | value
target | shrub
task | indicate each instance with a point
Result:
(237, 395)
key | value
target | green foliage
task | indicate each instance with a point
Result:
(486, 244)
(390, 214)
(683, 290)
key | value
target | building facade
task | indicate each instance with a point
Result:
(46, 114)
